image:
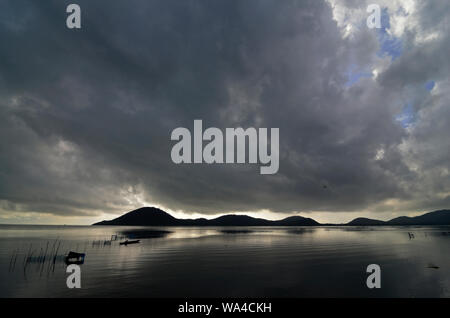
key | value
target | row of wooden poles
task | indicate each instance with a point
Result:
(47, 257)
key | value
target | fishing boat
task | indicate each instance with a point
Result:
(75, 258)
(129, 242)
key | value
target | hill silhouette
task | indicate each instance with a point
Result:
(441, 217)
(156, 217)
(150, 216)
(144, 216)
(365, 221)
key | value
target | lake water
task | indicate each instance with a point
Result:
(225, 262)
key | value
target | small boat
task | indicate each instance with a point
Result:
(75, 258)
(129, 242)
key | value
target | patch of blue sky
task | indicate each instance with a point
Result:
(389, 44)
(407, 117)
(430, 85)
(353, 75)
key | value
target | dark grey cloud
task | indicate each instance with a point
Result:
(86, 115)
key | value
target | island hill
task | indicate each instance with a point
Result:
(157, 217)
(150, 216)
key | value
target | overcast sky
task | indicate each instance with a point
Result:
(86, 115)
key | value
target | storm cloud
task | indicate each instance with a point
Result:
(86, 115)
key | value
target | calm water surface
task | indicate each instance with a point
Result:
(225, 262)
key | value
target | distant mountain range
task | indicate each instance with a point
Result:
(441, 217)
(150, 216)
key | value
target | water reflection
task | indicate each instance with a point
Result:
(221, 262)
(145, 234)
(297, 231)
